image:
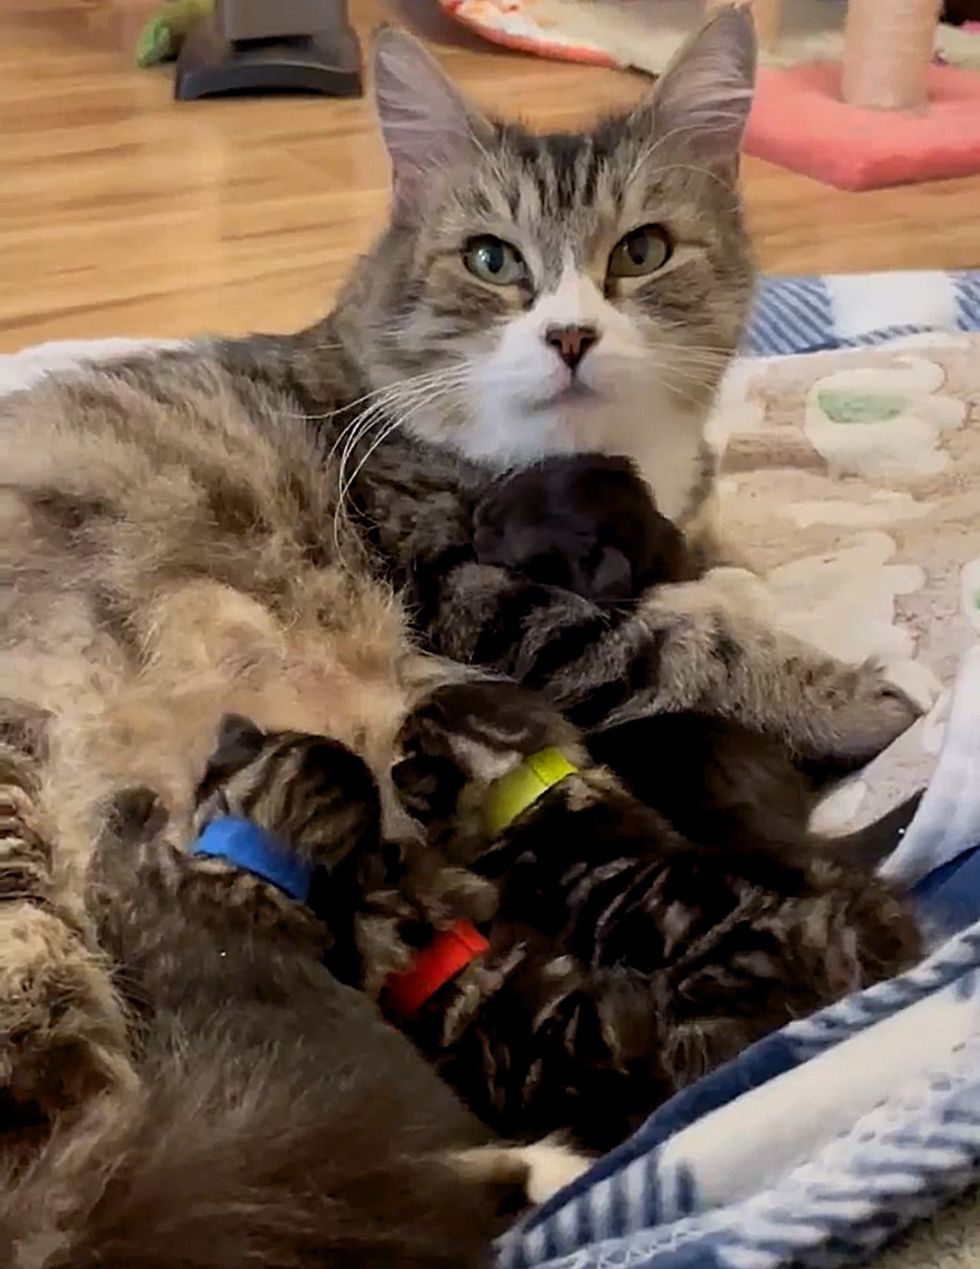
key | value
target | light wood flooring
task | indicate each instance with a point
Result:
(123, 212)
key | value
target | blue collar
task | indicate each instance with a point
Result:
(245, 844)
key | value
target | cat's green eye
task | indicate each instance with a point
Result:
(643, 251)
(495, 261)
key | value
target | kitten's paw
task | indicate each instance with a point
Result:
(551, 1167)
(542, 1169)
(884, 701)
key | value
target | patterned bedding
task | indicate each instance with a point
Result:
(851, 480)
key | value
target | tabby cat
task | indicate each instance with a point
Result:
(277, 525)
(622, 961)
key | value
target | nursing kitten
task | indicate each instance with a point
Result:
(623, 961)
(584, 522)
(588, 524)
(273, 525)
(626, 961)
(272, 1117)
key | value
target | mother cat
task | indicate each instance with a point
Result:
(175, 536)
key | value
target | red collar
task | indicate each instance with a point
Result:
(446, 956)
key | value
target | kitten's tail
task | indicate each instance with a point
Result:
(220, 1161)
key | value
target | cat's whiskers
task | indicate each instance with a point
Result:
(310, 417)
(421, 388)
(382, 419)
(380, 399)
(686, 392)
(420, 400)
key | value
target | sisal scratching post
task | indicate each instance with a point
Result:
(888, 47)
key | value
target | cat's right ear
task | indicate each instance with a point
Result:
(700, 105)
(425, 120)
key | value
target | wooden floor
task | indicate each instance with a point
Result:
(123, 212)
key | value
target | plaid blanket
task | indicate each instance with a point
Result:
(853, 310)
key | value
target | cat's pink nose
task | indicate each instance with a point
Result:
(571, 343)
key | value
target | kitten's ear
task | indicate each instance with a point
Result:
(703, 98)
(425, 120)
(239, 741)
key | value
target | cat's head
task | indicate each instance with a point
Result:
(550, 293)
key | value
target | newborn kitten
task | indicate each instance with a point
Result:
(584, 522)
(625, 960)
(274, 1118)
(588, 524)
(619, 962)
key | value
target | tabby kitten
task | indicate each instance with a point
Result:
(274, 525)
(622, 961)
(271, 1118)
(626, 961)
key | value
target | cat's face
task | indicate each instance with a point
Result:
(543, 294)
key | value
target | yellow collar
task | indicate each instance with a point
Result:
(519, 789)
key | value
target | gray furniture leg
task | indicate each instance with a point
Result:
(255, 46)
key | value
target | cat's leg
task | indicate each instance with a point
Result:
(685, 647)
(63, 1035)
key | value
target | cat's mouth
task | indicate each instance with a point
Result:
(573, 393)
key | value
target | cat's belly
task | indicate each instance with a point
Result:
(206, 650)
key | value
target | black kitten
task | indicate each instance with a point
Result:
(586, 523)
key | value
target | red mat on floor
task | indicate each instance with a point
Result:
(799, 122)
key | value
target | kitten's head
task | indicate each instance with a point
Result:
(301, 787)
(559, 292)
(583, 522)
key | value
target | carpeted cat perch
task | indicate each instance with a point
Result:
(858, 93)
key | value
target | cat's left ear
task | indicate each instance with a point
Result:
(700, 104)
(426, 121)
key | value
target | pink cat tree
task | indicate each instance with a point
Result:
(888, 46)
(864, 107)
(888, 113)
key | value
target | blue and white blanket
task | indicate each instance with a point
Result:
(819, 1142)
(853, 310)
